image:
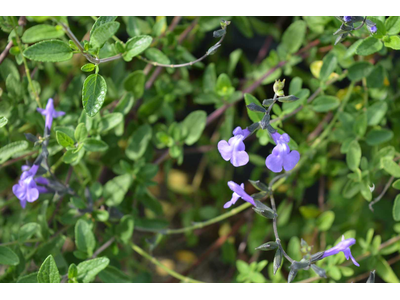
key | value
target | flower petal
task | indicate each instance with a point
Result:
(239, 158)
(225, 150)
(18, 191)
(32, 195)
(290, 160)
(274, 163)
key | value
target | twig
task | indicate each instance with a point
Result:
(103, 247)
(5, 52)
(14, 160)
(141, 252)
(377, 199)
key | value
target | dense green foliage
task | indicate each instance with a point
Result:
(140, 185)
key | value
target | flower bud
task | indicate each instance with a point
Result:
(278, 86)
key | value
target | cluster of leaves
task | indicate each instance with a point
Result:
(136, 147)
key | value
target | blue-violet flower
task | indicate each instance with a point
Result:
(343, 246)
(234, 149)
(373, 29)
(238, 192)
(26, 189)
(347, 19)
(281, 155)
(50, 113)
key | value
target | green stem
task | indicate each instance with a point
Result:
(28, 73)
(140, 251)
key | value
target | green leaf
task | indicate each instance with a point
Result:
(3, 121)
(88, 270)
(102, 34)
(125, 104)
(194, 123)
(378, 136)
(376, 112)
(88, 67)
(49, 51)
(385, 271)
(64, 140)
(84, 237)
(392, 42)
(209, 78)
(325, 103)
(396, 208)
(27, 231)
(72, 271)
(110, 121)
(156, 55)
(360, 124)
(30, 278)
(101, 21)
(376, 78)
(138, 142)
(113, 275)
(8, 257)
(369, 46)
(328, 66)
(80, 133)
(294, 36)
(391, 167)
(125, 227)
(93, 94)
(70, 156)
(48, 272)
(392, 25)
(115, 189)
(254, 116)
(136, 45)
(359, 70)
(353, 156)
(325, 220)
(9, 150)
(42, 32)
(396, 184)
(135, 83)
(94, 145)
(224, 86)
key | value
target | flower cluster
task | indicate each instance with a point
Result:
(27, 188)
(234, 150)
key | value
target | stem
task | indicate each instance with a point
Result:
(377, 199)
(28, 73)
(191, 63)
(103, 247)
(141, 252)
(275, 226)
(199, 225)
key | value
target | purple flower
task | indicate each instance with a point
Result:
(281, 155)
(238, 192)
(373, 29)
(50, 113)
(234, 149)
(347, 19)
(27, 190)
(343, 246)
